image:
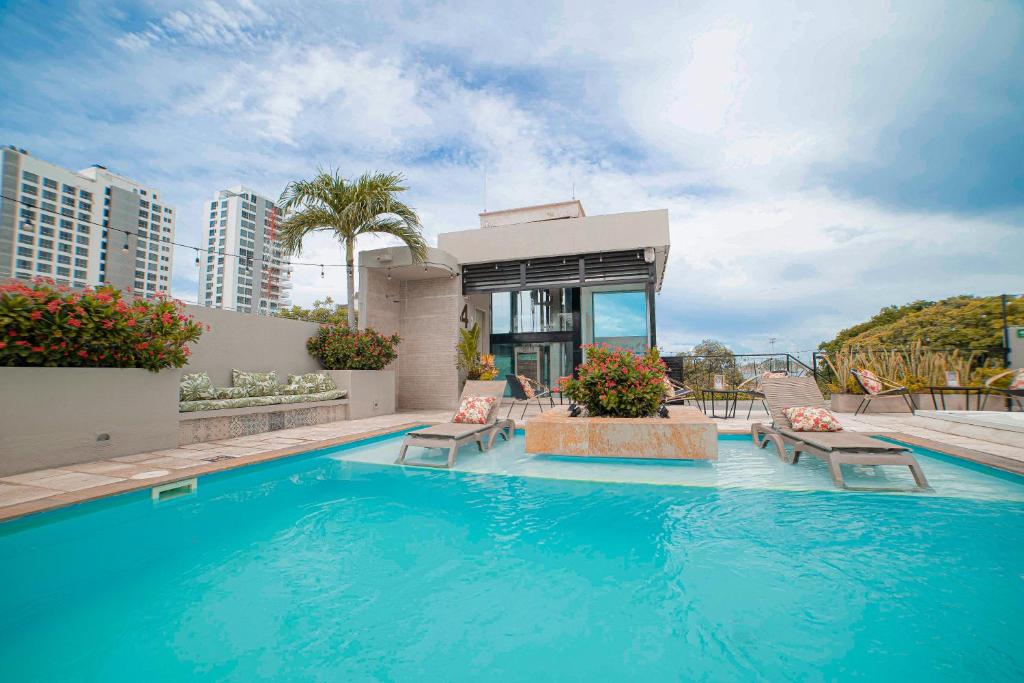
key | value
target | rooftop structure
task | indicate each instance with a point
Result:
(541, 281)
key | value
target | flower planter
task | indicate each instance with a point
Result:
(54, 417)
(370, 392)
(685, 435)
(847, 403)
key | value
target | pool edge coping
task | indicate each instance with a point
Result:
(67, 499)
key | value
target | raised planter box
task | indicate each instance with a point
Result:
(847, 403)
(53, 417)
(370, 392)
(687, 434)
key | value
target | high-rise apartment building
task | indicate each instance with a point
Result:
(245, 269)
(67, 226)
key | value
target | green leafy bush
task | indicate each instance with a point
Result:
(616, 382)
(48, 325)
(339, 348)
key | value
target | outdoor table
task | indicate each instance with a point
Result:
(939, 395)
(731, 397)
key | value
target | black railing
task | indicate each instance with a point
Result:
(699, 370)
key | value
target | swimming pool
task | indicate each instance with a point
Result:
(330, 566)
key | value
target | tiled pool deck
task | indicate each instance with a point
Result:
(58, 487)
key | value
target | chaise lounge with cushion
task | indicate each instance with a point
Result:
(197, 393)
(476, 421)
(800, 419)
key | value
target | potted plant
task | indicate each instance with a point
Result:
(87, 374)
(622, 393)
(357, 361)
(618, 383)
(473, 364)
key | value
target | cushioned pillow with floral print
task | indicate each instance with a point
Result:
(1018, 380)
(312, 382)
(811, 419)
(195, 386)
(870, 381)
(255, 383)
(475, 410)
(229, 392)
(527, 386)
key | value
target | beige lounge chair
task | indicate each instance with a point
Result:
(834, 448)
(453, 435)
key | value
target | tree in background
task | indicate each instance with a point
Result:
(962, 322)
(324, 311)
(707, 359)
(368, 205)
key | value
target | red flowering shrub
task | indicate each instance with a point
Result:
(618, 383)
(42, 324)
(339, 348)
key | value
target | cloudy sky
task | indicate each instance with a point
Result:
(818, 160)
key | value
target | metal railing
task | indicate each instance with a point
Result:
(699, 370)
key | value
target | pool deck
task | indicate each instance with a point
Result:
(47, 489)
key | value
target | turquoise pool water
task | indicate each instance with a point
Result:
(324, 567)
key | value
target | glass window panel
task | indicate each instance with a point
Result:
(620, 319)
(535, 310)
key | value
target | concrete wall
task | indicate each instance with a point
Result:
(249, 342)
(65, 416)
(370, 392)
(429, 326)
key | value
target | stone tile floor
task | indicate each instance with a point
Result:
(35, 491)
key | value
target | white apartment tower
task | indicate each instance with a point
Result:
(245, 269)
(68, 226)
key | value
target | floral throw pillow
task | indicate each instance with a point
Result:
(195, 386)
(255, 383)
(475, 410)
(870, 381)
(809, 419)
(1018, 380)
(527, 386)
(311, 383)
(229, 392)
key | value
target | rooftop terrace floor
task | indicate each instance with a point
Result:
(58, 487)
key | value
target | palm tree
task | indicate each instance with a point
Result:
(349, 209)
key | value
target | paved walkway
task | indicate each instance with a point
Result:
(57, 487)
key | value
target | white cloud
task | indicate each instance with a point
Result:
(728, 116)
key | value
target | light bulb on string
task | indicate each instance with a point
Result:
(321, 271)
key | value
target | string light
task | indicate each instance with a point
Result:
(197, 258)
(321, 271)
(128, 233)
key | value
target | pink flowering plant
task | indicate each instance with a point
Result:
(616, 382)
(43, 324)
(339, 348)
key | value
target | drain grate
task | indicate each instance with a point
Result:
(218, 458)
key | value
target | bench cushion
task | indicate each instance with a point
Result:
(250, 401)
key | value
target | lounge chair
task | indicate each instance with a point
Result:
(875, 387)
(453, 435)
(834, 448)
(1014, 392)
(677, 393)
(752, 387)
(525, 389)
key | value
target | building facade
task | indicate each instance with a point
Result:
(72, 226)
(244, 268)
(542, 282)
